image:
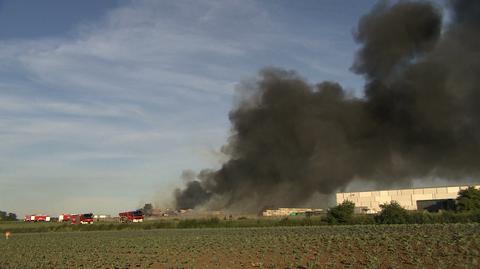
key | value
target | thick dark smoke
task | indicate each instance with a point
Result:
(420, 116)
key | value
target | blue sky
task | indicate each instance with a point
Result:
(104, 103)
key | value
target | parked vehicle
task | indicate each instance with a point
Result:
(86, 218)
(64, 217)
(132, 216)
(42, 218)
(36, 218)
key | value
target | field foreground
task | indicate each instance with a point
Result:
(371, 246)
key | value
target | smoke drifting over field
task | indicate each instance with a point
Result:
(420, 116)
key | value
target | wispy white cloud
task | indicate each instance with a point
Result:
(135, 97)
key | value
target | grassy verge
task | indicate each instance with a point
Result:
(21, 227)
(413, 218)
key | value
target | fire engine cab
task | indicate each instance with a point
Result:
(132, 216)
(82, 218)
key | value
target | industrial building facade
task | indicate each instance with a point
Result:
(430, 199)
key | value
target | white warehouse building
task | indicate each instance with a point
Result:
(431, 199)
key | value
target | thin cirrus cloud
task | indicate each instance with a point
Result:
(121, 106)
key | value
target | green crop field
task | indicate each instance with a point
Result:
(369, 246)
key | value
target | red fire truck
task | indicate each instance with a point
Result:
(64, 217)
(132, 216)
(36, 218)
(82, 218)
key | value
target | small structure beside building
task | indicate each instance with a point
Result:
(285, 211)
(431, 199)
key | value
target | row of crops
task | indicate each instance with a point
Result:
(360, 246)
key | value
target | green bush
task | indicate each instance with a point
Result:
(392, 213)
(164, 224)
(284, 222)
(468, 199)
(341, 213)
(418, 217)
(362, 219)
(199, 223)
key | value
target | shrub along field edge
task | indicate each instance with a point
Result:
(356, 219)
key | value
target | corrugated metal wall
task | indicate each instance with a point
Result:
(405, 197)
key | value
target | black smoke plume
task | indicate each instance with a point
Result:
(419, 117)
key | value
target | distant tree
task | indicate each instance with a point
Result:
(148, 209)
(12, 217)
(468, 199)
(392, 213)
(341, 213)
(4, 216)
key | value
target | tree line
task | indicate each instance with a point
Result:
(5, 216)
